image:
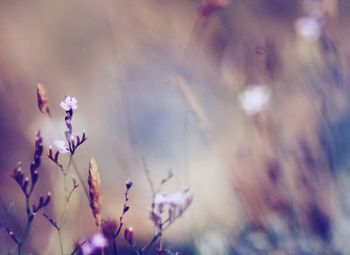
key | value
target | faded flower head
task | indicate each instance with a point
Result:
(109, 228)
(69, 103)
(308, 27)
(61, 146)
(255, 99)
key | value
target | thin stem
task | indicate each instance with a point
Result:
(149, 245)
(66, 206)
(26, 231)
(160, 247)
(81, 179)
(148, 175)
(158, 234)
(60, 241)
(77, 247)
(25, 235)
(115, 252)
(65, 185)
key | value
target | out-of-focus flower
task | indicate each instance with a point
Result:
(159, 198)
(179, 198)
(109, 228)
(95, 243)
(69, 103)
(176, 203)
(99, 241)
(255, 99)
(61, 146)
(308, 27)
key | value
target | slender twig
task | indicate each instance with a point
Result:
(81, 179)
(77, 247)
(128, 185)
(68, 196)
(148, 175)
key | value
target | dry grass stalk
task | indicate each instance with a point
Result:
(42, 99)
(95, 197)
(193, 105)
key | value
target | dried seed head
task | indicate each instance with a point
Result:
(42, 99)
(95, 191)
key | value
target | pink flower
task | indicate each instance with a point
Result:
(61, 146)
(69, 103)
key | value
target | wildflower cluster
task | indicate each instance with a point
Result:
(71, 143)
(108, 229)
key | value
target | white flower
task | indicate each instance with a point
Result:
(159, 199)
(255, 99)
(99, 241)
(69, 103)
(308, 27)
(61, 146)
(179, 198)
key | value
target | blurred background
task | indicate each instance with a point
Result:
(172, 81)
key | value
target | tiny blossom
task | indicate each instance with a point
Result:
(69, 103)
(61, 146)
(308, 27)
(255, 99)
